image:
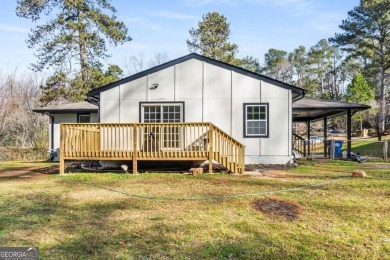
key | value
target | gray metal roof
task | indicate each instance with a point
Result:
(79, 107)
(311, 109)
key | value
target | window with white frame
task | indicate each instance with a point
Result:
(256, 120)
(162, 113)
(167, 136)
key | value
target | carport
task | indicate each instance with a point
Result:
(310, 110)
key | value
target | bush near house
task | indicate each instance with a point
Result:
(22, 154)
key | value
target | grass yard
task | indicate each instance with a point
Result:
(70, 217)
(367, 147)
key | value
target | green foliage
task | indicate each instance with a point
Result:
(277, 65)
(250, 63)
(359, 91)
(366, 34)
(60, 86)
(298, 60)
(211, 39)
(77, 33)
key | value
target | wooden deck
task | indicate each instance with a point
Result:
(150, 141)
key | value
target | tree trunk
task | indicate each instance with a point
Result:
(82, 49)
(382, 97)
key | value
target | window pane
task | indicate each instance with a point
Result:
(262, 109)
(253, 128)
(263, 128)
(168, 113)
(84, 119)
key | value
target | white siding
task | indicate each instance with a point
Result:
(64, 118)
(245, 90)
(210, 94)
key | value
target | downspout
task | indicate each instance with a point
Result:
(51, 132)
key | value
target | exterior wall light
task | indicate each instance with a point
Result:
(154, 86)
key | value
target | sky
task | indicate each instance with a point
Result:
(161, 26)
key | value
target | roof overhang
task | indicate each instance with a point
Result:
(309, 109)
(72, 108)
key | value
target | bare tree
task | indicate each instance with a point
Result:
(158, 59)
(375, 119)
(19, 126)
(137, 63)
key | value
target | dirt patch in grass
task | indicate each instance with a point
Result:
(275, 173)
(264, 167)
(271, 206)
(48, 170)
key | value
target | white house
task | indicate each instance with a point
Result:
(253, 109)
(250, 109)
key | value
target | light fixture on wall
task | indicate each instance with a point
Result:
(154, 86)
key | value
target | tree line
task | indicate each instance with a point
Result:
(351, 66)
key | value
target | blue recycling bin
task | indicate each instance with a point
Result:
(337, 148)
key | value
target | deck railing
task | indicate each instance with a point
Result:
(150, 141)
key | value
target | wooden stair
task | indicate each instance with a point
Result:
(227, 151)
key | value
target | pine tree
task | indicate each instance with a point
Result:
(359, 91)
(77, 33)
(211, 39)
(366, 31)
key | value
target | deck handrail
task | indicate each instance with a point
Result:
(150, 141)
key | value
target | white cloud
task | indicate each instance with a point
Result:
(172, 15)
(293, 7)
(327, 22)
(140, 21)
(12, 28)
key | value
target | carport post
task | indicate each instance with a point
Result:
(325, 136)
(349, 133)
(308, 139)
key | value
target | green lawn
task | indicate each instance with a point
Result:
(368, 147)
(70, 217)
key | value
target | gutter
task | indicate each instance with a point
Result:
(299, 97)
(92, 100)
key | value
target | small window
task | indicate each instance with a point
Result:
(256, 120)
(84, 118)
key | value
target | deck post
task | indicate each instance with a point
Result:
(211, 149)
(308, 139)
(325, 136)
(135, 149)
(62, 152)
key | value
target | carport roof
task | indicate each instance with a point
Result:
(311, 109)
(79, 107)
